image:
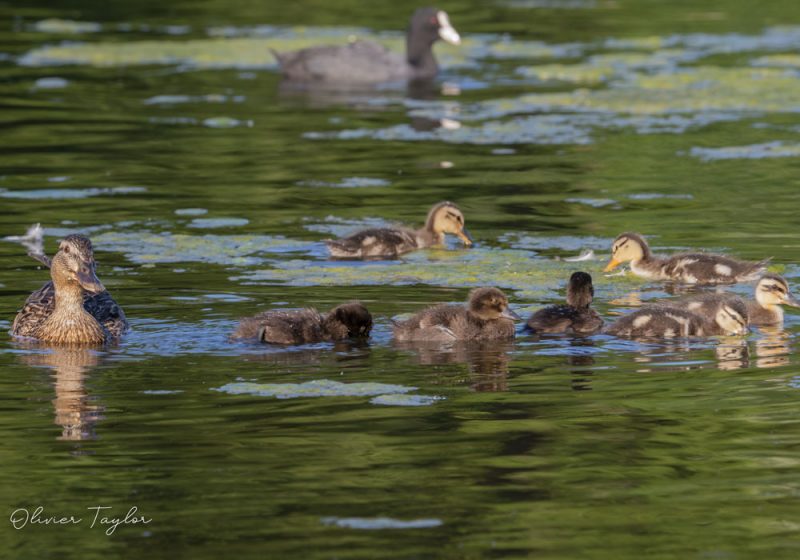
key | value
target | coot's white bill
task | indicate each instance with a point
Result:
(446, 31)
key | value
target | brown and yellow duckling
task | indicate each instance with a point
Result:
(771, 292)
(485, 317)
(689, 268)
(658, 321)
(575, 317)
(305, 326)
(373, 243)
(74, 308)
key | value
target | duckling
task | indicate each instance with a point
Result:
(306, 326)
(771, 292)
(443, 218)
(690, 268)
(575, 317)
(486, 317)
(667, 322)
(74, 308)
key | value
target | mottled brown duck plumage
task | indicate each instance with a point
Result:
(576, 317)
(305, 326)
(688, 268)
(485, 317)
(765, 310)
(374, 243)
(74, 307)
(658, 321)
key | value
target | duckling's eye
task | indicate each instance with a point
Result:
(66, 248)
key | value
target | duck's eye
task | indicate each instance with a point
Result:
(66, 248)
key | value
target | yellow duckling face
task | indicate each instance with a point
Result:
(447, 218)
(625, 248)
(74, 263)
(732, 318)
(490, 304)
(773, 290)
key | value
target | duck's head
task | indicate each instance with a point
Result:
(355, 317)
(732, 317)
(772, 289)
(445, 217)
(580, 291)
(490, 304)
(428, 25)
(627, 247)
(74, 264)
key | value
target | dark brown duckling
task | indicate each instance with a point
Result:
(689, 268)
(575, 317)
(305, 326)
(74, 308)
(658, 321)
(771, 292)
(373, 243)
(485, 317)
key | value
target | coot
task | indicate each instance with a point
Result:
(366, 62)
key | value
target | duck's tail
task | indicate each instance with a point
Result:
(280, 58)
(758, 269)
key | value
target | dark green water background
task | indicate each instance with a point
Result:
(555, 448)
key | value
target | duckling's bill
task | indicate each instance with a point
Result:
(612, 264)
(509, 314)
(464, 236)
(790, 300)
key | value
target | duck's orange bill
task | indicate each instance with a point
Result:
(464, 236)
(612, 264)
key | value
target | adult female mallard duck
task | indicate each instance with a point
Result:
(690, 268)
(485, 317)
(575, 317)
(367, 62)
(73, 308)
(771, 292)
(305, 326)
(443, 218)
(658, 321)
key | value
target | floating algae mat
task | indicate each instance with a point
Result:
(65, 194)
(518, 270)
(316, 388)
(215, 52)
(753, 151)
(147, 247)
(375, 523)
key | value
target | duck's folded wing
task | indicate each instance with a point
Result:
(701, 268)
(373, 242)
(107, 312)
(37, 308)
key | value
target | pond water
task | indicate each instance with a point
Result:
(163, 131)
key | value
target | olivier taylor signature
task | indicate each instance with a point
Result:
(22, 517)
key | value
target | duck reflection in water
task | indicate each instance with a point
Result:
(581, 359)
(732, 353)
(337, 352)
(486, 361)
(773, 347)
(75, 410)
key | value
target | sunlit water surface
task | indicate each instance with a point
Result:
(163, 131)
